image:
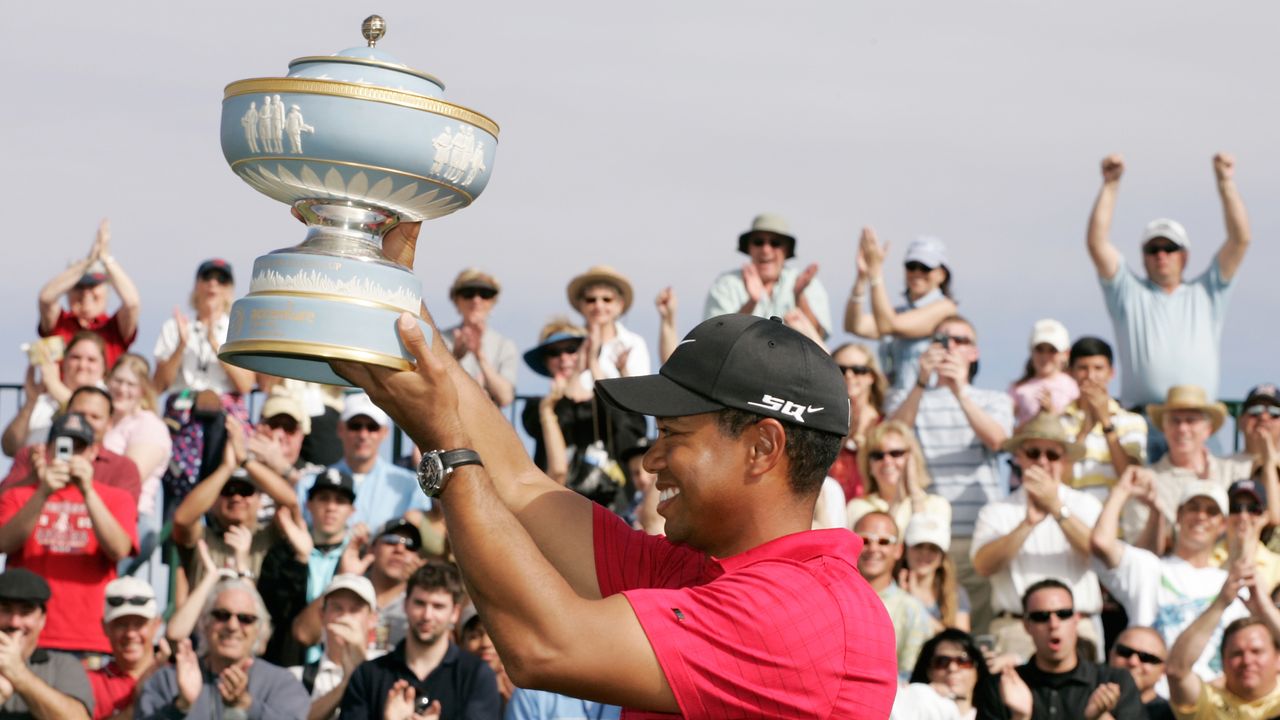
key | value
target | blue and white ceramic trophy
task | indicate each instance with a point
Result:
(355, 143)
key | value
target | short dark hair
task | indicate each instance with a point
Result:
(920, 674)
(1241, 624)
(437, 575)
(1089, 346)
(809, 452)
(93, 390)
(1046, 584)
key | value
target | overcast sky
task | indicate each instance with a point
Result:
(646, 136)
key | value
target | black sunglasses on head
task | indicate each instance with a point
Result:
(1127, 652)
(471, 293)
(1042, 616)
(222, 616)
(117, 601)
(1260, 410)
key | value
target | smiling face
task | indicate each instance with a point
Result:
(473, 306)
(87, 303)
(700, 473)
(887, 460)
(83, 365)
(1046, 360)
(130, 637)
(1187, 431)
(230, 638)
(562, 358)
(922, 280)
(768, 252)
(1200, 523)
(286, 433)
(856, 381)
(23, 621)
(1054, 637)
(1049, 455)
(924, 556)
(1164, 268)
(1249, 661)
(361, 437)
(877, 558)
(475, 640)
(126, 389)
(95, 409)
(600, 304)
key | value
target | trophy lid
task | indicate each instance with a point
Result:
(368, 65)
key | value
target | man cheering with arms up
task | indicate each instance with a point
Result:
(741, 612)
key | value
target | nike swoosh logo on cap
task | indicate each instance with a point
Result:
(682, 342)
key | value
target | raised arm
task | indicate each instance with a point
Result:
(862, 324)
(1234, 215)
(58, 286)
(15, 433)
(1105, 541)
(668, 337)
(1184, 684)
(1106, 259)
(559, 519)
(186, 519)
(130, 301)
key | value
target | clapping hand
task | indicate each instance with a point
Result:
(751, 279)
(352, 561)
(805, 277)
(233, 685)
(1103, 700)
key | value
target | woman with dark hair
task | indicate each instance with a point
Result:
(950, 680)
(906, 330)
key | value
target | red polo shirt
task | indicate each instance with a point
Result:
(108, 326)
(112, 690)
(788, 629)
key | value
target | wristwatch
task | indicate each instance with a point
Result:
(1064, 512)
(438, 465)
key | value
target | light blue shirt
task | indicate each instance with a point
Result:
(900, 356)
(729, 293)
(385, 492)
(543, 705)
(322, 565)
(1166, 339)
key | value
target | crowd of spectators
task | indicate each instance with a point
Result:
(1043, 549)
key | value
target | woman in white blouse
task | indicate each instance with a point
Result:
(187, 351)
(602, 296)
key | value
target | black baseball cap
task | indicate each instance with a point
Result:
(1249, 486)
(24, 586)
(743, 362)
(215, 265)
(72, 425)
(334, 479)
(400, 526)
(1265, 394)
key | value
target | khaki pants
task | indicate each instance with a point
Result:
(978, 587)
(1011, 637)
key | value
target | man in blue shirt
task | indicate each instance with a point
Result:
(383, 491)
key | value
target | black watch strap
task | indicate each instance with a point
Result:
(452, 459)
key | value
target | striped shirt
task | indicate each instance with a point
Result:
(964, 471)
(1094, 473)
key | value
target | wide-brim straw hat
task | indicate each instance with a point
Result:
(1045, 426)
(600, 274)
(1188, 397)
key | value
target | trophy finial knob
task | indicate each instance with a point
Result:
(373, 28)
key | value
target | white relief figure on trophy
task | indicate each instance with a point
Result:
(277, 124)
(443, 144)
(464, 143)
(477, 164)
(264, 124)
(250, 123)
(294, 125)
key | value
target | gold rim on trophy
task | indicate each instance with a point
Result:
(313, 351)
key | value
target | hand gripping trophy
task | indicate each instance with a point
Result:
(355, 143)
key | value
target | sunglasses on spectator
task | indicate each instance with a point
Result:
(856, 369)
(1252, 508)
(952, 339)
(1260, 410)
(221, 277)
(1147, 658)
(1042, 616)
(601, 299)
(398, 539)
(471, 293)
(222, 616)
(943, 662)
(914, 266)
(880, 454)
(356, 425)
(881, 540)
(283, 422)
(243, 489)
(558, 349)
(117, 600)
(1157, 248)
(1035, 453)
(775, 242)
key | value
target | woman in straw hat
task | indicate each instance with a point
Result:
(602, 295)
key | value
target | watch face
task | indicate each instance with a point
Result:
(430, 473)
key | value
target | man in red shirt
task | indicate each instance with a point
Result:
(109, 468)
(70, 530)
(131, 620)
(741, 611)
(85, 285)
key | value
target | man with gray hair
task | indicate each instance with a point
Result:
(226, 680)
(1167, 332)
